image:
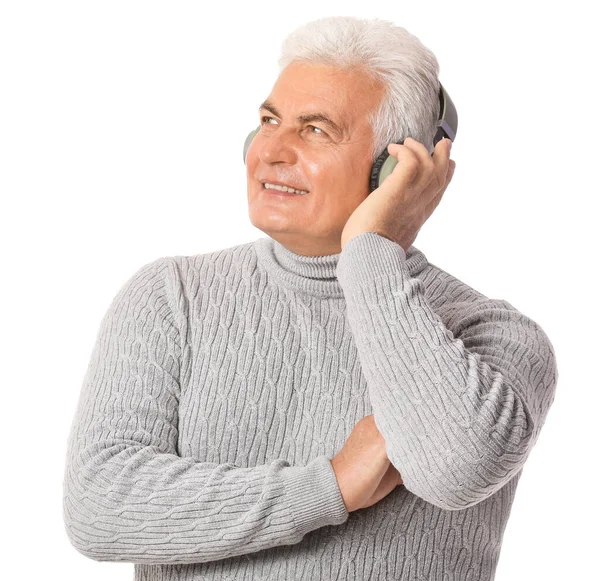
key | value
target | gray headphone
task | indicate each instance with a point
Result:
(447, 125)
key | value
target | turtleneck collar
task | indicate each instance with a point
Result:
(315, 275)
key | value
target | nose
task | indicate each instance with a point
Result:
(277, 146)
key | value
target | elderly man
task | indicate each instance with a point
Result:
(320, 403)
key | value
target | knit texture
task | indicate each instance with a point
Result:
(221, 385)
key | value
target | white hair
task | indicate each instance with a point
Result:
(386, 52)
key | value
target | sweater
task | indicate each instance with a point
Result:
(221, 385)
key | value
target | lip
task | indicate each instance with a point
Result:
(276, 183)
(278, 193)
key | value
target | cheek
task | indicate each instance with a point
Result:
(251, 159)
(329, 172)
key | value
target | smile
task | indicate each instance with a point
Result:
(288, 189)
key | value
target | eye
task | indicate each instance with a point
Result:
(262, 119)
(266, 119)
(321, 131)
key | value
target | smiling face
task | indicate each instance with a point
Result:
(297, 146)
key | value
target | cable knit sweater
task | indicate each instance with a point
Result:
(221, 385)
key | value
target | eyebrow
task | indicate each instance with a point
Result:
(320, 117)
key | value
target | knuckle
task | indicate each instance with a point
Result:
(412, 159)
(412, 164)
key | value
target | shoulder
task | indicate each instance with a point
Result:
(446, 289)
(468, 312)
(174, 269)
(177, 279)
(454, 300)
(221, 262)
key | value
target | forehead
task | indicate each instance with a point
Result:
(345, 95)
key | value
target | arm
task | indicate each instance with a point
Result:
(461, 411)
(128, 495)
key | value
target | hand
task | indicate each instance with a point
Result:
(364, 473)
(390, 480)
(407, 197)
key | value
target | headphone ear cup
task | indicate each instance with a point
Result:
(374, 179)
(248, 141)
(382, 168)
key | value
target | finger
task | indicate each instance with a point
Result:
(417, 147)
(433, 204)
(412, 145)
(423, 155)
(451, 168)
(441, 160)
(428, 170)
(415, 165)
(388, 482)
(405, 171)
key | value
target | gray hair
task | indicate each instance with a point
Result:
(386, 52)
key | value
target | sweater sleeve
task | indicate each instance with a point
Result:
(459, 414)
(128, 495)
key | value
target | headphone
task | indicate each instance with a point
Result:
(447, 125)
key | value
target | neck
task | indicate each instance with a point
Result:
(308, 247)
(313, 275)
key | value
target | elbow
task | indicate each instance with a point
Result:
(461, 484)
(469, 494)
(82, 537)
(82, 531)
(86, 527)
(458, 496)
(92, 536)
(86, 549)
(477, 469)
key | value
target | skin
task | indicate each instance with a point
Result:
(363, 470)
(407, 197)
(335, 169)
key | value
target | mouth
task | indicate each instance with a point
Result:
(280, 189)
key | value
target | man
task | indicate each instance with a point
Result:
(322, 403)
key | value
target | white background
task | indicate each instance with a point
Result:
(121, 134)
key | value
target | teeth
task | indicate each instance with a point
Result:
(285, 189)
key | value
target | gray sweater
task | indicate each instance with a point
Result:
(221, 385)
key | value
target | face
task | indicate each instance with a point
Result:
(332, 162)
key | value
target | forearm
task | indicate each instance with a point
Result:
(458, 422)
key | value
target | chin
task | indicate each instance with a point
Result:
(268, 220)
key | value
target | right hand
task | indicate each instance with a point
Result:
(364, 473)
